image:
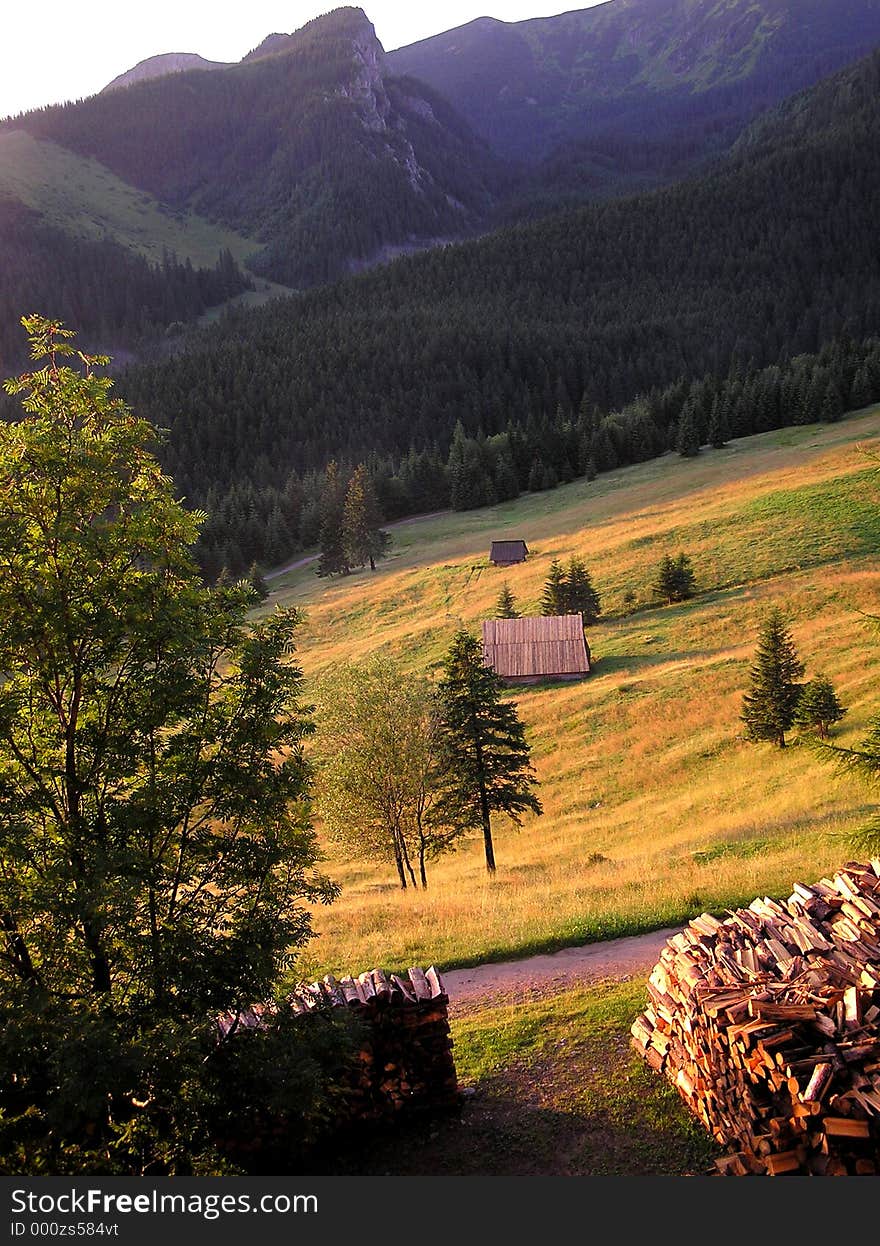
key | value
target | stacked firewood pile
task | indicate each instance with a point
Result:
(768, 1024)
(405, 1061)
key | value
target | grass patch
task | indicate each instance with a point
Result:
(558, 1092)
(84, 198)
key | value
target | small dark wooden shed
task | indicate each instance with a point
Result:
(526, 651)
(508, 553)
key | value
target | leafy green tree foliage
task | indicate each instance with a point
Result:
(505, 606)
(818, 707)
(770, 705)
(579, 595)
(379, 771)
(156, 845)
(675, 579)
(554, 597)
(363, 540)
(485, 758)
(333, 559)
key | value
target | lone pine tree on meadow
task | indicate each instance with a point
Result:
(363, 540)
(675, 579)
(484, 757)
(770, 705)
(257, 581)
(505, 606)
(818, 707)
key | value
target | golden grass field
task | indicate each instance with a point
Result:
(655, 807)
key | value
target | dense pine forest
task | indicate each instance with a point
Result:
(115, 297)
(743, 300)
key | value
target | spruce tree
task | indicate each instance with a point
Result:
(687, 441)
(580, 595)
(719, 430)
(675, 580)
(484, 755)
(818, 707)
(554, 599)
(770, 705)
(332, 560)
(363, 540)
(505, 607)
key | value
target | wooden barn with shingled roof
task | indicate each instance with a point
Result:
(526, 651)
(508, 553)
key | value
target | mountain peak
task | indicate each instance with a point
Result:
(161, 65)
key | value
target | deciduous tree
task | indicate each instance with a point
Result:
(156, 848)
(380, 769)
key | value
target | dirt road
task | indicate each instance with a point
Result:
(544, 975)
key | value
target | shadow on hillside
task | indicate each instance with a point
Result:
(635, 663)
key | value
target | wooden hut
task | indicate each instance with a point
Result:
(526, 651)
(508, 553)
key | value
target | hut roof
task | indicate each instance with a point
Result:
(525, 648)
(508, 551)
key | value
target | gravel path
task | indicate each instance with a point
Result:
(544, 975)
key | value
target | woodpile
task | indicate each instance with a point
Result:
(768, 1025)
(405, 1061)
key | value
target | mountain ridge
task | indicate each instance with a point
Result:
(634, 86)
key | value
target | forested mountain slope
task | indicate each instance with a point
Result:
(536, 331)
(315, 149)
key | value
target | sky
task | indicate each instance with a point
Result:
(66, 49)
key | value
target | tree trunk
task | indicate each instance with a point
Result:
(484, 798)
(422, 874)
(487, 833)
(398, 861)
(372, 563)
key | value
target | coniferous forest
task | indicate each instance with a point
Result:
(740, 301)
(115, 296)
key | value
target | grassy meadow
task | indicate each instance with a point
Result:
(84, 198)
(655, 807)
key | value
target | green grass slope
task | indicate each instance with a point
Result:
(655, 807)
(81, 197)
